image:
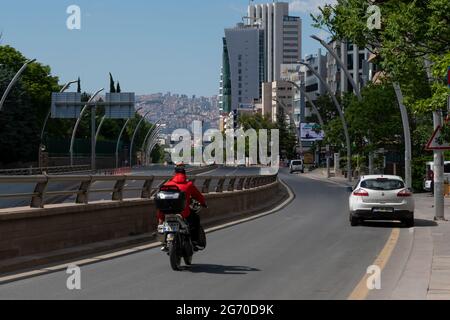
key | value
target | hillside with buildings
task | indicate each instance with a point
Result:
(178, 111)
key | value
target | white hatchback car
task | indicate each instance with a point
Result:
(381, 197)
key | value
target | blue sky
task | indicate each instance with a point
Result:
(149, 46)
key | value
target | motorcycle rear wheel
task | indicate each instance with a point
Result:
(188, 260)
(175, 259)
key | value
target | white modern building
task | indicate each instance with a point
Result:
(282, 36)
(357, 62)
(313, 86)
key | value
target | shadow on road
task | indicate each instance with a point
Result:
(419, 223)
(219, 269)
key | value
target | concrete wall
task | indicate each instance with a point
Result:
(25, 232)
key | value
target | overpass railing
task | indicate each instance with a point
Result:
(145, 186)
(48, 170)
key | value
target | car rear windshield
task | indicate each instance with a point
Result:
(382, 184)
(296, 163)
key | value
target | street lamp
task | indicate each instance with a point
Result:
(74, 132)
(151, 133)
(152, 142)
(134, 137)
(352, 81)
(341, 115)
(13, 82)
(120, 138)
(341, 64)
(316, 111)
(64, 88)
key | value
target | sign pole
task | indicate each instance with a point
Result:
(438, 174)
(93, 132)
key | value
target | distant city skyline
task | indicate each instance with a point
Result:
(147, 46)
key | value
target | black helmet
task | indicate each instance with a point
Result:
(180, 168)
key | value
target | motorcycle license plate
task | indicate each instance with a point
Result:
(173, 227)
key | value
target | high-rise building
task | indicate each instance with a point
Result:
(282, 36)
(243, 70)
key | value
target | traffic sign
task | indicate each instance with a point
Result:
(434, 144)
(66, 105)
(120, 105)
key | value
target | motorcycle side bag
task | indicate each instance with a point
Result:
(170, 200)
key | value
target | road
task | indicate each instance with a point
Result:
(305, 251)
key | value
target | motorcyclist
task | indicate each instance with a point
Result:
(184, 185)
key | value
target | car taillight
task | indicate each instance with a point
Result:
(404, 193)
(361, 193)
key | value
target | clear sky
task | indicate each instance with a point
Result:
(149, 46)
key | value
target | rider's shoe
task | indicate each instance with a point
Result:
(164, 249)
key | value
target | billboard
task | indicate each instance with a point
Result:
(66, 105)
(312, 132)
(120, 105)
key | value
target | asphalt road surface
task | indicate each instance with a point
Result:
(305, 251)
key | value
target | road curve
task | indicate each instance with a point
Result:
(305, 251)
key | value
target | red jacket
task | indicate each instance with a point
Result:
(180, 180)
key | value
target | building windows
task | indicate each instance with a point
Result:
(312, 88)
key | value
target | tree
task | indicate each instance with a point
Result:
(412, 33)
(118, 90)
(288, 139)
(112, 87)
(79, 85)
(26, 106)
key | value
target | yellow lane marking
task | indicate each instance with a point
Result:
(362, 291)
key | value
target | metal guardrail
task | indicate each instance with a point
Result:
(149, 188)
(48, 170)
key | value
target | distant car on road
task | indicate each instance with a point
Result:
(297, 166)
(381, 197)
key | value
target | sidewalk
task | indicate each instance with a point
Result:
(321, 174)
(429, 258)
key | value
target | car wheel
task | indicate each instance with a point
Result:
(410, 223)
(354, 221)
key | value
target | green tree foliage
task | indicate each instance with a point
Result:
(26, 106)
(412, 32)
(288, 138)
(18, 123)
(112, 86)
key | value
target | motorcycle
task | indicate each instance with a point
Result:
(175, 229)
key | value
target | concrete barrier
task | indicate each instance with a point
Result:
(27, 232)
